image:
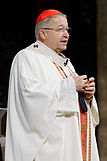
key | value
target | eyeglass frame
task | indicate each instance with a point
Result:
(59, 30)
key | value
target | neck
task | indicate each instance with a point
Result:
(56, 50)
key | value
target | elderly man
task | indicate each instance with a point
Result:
(52, 112)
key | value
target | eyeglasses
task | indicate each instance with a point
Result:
(60, 30)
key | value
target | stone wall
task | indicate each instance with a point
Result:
(102, 75)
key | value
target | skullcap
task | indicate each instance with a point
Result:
(46, 14)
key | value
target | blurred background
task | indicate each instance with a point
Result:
(87, 47)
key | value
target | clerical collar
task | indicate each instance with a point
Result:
(59, 59)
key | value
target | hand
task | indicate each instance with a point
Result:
(80, 81)
(90, 88)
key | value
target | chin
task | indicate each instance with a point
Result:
(64, 48)
(59, 50)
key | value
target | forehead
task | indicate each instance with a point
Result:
(59, 20)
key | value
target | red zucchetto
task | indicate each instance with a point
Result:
(46, 14)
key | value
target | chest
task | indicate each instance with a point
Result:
(52, 72)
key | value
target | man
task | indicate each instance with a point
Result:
(47, 119)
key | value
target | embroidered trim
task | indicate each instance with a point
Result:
(63, 71)
(89, 152)
(59, 70)
(69, 69)
(83, 117)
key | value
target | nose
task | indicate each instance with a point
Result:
(66, 34)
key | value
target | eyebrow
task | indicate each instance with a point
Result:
(61, 26)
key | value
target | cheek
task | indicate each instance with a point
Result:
(55, 41)
(51, 38)
(57, 44)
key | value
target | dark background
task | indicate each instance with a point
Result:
(17, 26)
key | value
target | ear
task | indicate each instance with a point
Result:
(42, 34)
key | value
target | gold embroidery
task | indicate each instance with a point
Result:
(89, 153)
(59, 70)
(83, 117)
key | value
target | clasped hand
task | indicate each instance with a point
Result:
(85, 85)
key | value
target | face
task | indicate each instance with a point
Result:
(56, 37)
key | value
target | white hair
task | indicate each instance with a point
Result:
(44, 24)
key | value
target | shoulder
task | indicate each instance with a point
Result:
(31, 58)
(29, 54)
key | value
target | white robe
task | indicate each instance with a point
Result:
(42, 122)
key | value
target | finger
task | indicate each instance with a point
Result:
(89, 93)
(85, 81)
(84, 86)
(91, 79)
(88, 89)
(84, 76)
(92, 84)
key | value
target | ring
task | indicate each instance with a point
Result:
(85, 85)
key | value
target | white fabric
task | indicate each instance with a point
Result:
(42, 111)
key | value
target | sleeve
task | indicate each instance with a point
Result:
(94, 110)
(38, 99)
(68, 99)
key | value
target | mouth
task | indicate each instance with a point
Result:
(64, 42)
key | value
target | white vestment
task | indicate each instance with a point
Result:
(43, 111)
